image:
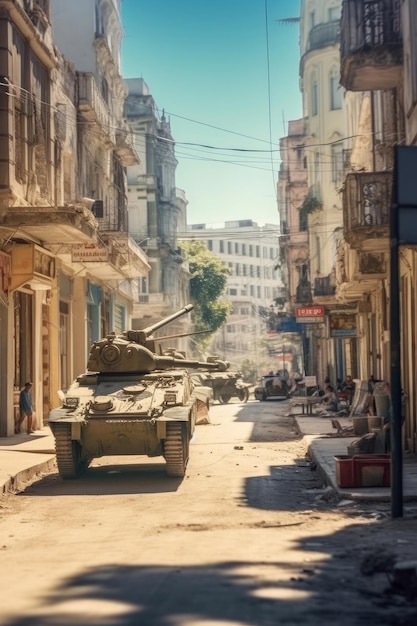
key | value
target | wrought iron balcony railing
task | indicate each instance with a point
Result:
(370, 44)
(324, 286)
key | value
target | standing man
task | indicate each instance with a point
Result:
(25, 409)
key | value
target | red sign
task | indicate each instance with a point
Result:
(309, 311)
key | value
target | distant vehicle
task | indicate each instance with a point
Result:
(272, 387)
(225, 385)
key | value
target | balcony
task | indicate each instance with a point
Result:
(324, 286)
(324, 35)
(366, 209)
(125, 146)
(93, 108)
(371, 44)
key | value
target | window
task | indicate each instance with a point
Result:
(221, 245)
(210, 244)
(312, 19)
(258, 251)
(335, 91)
(244, 249)
(337, 162)
(250, 250)
(229, 247)
(232, 292)
(333, 14)
(236, 248)
(314, 96)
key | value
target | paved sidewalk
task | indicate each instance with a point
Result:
(23, 457)
(324, 446)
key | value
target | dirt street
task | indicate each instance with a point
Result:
(249, 537)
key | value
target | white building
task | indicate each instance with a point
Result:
(251, 253)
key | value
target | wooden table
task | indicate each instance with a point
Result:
(306, 402)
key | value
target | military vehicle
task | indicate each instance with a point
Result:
(225, 385)
(272, 386)
(130, 401)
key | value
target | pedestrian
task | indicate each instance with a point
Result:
(329, 401)
(348, 386)
(25, 409)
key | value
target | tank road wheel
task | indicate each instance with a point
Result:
(243, 394)
(68, 453)
(176, 448)
(224, 398)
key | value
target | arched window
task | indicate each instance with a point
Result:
(335, 90)
(314, 95)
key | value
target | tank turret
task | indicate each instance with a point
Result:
(133, 352)
(116, 354)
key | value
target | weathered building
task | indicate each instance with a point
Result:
(294, 239)
(378, 67)
(157, 210)
(325, 152)
(66, 257)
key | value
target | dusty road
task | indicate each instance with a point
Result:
(248, 537)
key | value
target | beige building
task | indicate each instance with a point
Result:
(66, 257)
(325, 154)
(157, 213)
(378, 58)
(251, 252)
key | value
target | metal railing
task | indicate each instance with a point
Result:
(369, 23)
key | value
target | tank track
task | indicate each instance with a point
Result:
(176, 448)
(68, 453)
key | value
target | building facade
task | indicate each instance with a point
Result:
(378, 52)
(157, 212)
(66, 258)
(251, 253)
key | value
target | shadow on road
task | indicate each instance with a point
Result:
(108, 478)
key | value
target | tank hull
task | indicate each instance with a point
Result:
(225, 385)
(145, 415)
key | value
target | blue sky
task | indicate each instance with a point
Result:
(226, 74)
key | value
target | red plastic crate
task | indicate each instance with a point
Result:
(345, 475)
(372, 470)
(363, 470)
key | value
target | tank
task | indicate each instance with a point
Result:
(225, 385)
(131, 401)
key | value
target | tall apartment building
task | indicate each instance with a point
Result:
(324, 148)
(251, 253)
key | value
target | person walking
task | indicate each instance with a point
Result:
(25, 409)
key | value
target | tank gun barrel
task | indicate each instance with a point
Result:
(140, 336)
(197, 332)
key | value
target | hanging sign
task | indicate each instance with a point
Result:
(89, 252)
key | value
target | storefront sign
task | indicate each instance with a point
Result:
(310, 314)
(89, 253)
(342, 324)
